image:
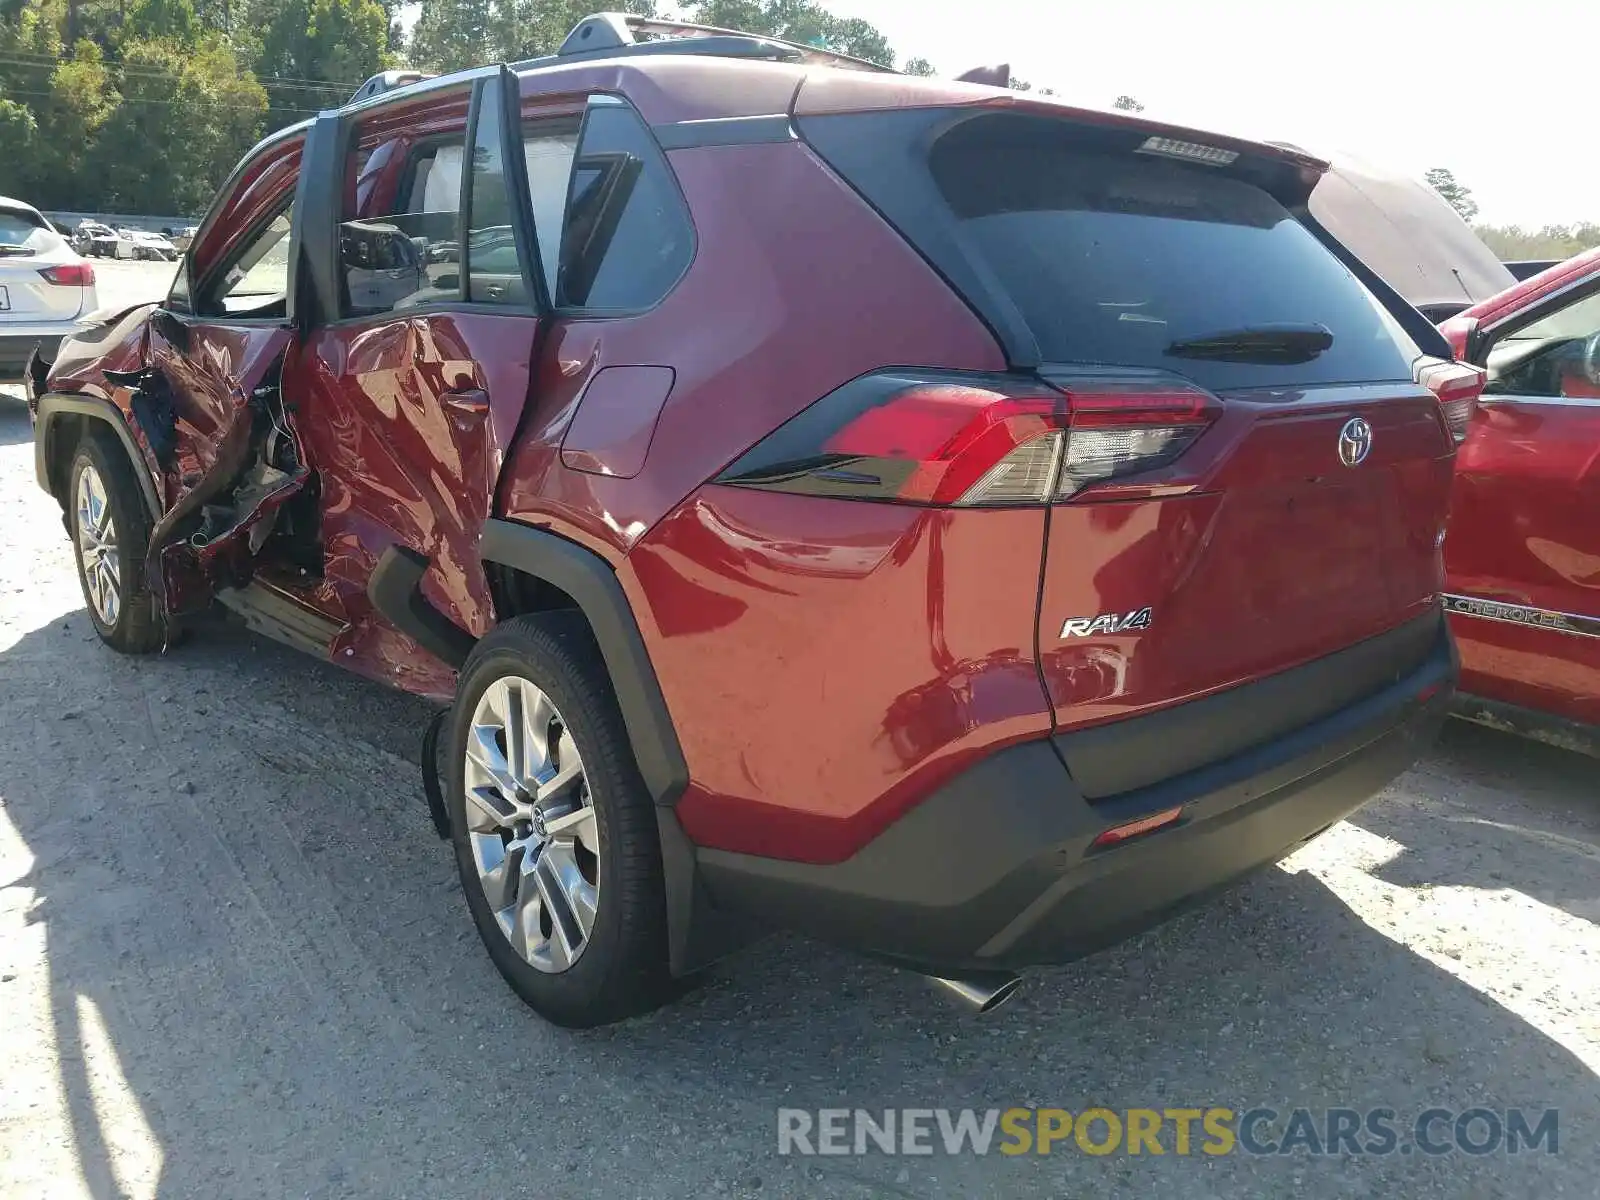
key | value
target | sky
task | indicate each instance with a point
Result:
(1408, 84)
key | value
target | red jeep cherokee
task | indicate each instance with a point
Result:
(952, 524)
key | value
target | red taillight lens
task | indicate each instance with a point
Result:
(79, 274)
(975, 440)
(1457, 386)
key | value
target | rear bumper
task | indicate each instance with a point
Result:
(998, 869)
(17, 348)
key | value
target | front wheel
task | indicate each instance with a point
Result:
(110, 530)
(554, 831)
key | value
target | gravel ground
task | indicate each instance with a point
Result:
(234, 962)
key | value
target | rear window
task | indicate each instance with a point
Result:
(17, 227)
(1110, 256)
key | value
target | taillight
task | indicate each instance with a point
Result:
(1457, 386)
(78, 274)
(1124, 426)
(947, 438)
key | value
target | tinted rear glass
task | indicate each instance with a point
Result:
(17, 227)
(1112, 257)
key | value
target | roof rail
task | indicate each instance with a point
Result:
(387, 81)
(615, 34)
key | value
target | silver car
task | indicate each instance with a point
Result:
(46, 287)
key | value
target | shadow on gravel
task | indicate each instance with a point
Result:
(15, 428)
(1542, 840)
(233, 866)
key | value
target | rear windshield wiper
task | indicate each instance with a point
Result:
(1273, 343)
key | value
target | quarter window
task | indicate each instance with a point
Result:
(627, 237)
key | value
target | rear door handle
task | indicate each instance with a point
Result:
(472, 401)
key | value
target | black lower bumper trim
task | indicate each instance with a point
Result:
(395, 589)
(997, 869)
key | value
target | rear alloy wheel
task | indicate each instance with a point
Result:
(110, 528)
(531, 824)
(554, 831)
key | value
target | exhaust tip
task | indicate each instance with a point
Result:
(980, 991)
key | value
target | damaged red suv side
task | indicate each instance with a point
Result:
(955, 525)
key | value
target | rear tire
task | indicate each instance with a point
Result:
(110, 528)
(537, 863)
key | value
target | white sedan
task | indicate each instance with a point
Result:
(46, 287)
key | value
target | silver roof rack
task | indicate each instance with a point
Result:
(624, 35)
(387, 81)
(615, 34)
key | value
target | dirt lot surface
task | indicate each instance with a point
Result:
(235, 962)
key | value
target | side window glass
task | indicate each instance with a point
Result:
(628, 237)
(1557, 355)
(404, 251)
(494, 273)
(548, 149)
(256, 282)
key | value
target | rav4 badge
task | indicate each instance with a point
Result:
(1139, 618)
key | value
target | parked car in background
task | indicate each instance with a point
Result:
(110, 243)
(827, 498)
(45, 287)
(181, 236)
(152, 246)
(84, 236)
(1523, 552)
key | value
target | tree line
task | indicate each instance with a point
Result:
(1511, 243)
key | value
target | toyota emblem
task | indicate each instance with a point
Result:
(1355, 442)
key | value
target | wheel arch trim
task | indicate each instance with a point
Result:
(593, 585)
(698, 932)
(53, 406)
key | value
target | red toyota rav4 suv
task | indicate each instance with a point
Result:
(952, 524)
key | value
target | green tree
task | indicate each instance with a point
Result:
(1459, 196)
(1022, 85)
(1512, 242)
(187, 115)
(919, 66)
(1127, 104)
(799, 21)
(451, 34)
(312, 54)
(69, 120)
(165, 20)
